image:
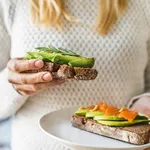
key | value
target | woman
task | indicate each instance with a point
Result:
(120, 42)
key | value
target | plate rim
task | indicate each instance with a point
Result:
(77, 144)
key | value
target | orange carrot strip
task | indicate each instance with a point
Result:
(95, 108)
(90, 107)
(111, 110)
(100, 104)
(128, 114)
(103, 107)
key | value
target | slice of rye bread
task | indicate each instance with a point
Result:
(65, 71)
(137, 134)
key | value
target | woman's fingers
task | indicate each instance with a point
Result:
(29, 83)
(29, 78)
(28, 89)
(20, 65)
(142, 105)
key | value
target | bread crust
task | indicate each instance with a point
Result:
(68, 72)
(137, 134)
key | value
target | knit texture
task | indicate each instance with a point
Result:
(122, 60)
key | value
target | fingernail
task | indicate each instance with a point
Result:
(38, 64)
(47, 77)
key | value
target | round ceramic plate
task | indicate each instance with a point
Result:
(58, 126)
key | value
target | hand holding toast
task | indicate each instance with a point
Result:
(142, 105)
(30, 83)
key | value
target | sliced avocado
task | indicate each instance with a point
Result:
(74, 61)
(108, 118)
(122, 123)
(81, 112)
(92, 114)
(138, 117)
(82, 62)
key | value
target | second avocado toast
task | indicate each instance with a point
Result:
(122, 124)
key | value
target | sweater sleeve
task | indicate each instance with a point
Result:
(10, 100)
(147, 81)
(146, 10)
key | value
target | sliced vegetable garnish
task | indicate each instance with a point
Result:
(122, 109)
(95, 108)
(128, 114)
(100, 104)
(61, 56)
(110, 114)
(111, 110)
(138, 117)
(90, 107)
(122, 123)
(115, 118)
(103, 107)
(94, 113)
(81, 112)
(52, 49)
(82, 62)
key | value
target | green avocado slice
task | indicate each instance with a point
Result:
(122, 123)
(138, 117)
(81, 112)
(74, 61)
(92, 114)
(82, 62)
(115, 118)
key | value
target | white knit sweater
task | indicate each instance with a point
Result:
(121, 59)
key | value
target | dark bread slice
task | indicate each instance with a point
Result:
(85, 73)
(65, 71)
(137, 134)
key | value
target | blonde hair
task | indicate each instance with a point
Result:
(51, 12)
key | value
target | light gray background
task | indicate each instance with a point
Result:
(5, 134)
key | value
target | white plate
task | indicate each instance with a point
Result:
(58, 126)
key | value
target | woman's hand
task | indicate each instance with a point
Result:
(28, 84)
(142, 105)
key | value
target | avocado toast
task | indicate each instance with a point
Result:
(64, 63)
(121, 124)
